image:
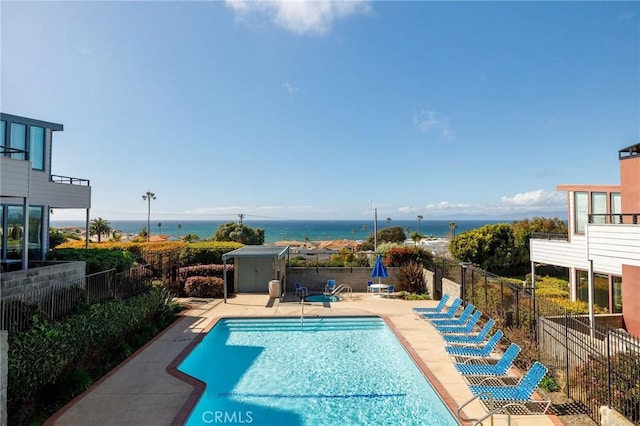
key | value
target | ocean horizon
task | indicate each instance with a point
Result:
(291, 230)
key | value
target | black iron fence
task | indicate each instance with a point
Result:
(595, 365)
(56, 301)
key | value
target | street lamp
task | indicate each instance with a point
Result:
(375, 225)
(148, 197)
(463, 273)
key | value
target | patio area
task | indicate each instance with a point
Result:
(143, 390)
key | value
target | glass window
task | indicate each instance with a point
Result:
(15, 230)
(3, 131)
(18, 140)
(35, 233)
(601, 291)
(581, 210)
(616, 283)
(599, 206)
(36, 147)
(616, 207)
(2, 242)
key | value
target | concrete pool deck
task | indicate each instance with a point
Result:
(142, 391)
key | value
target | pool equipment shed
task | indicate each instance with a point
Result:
(255, 266)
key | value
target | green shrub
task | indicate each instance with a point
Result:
(206, 252)
(552, 292)
(549, 384)
(97, 259)
(41, 355)
(204, 287)
(624, 370)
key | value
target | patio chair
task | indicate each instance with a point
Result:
(300, 290)
(461, 320)
(446, 315)
(330, 286)
(498, 369)
(475, 339)
(369, 284)
(515, 398)
(388, 291)
(464, 328)
(439, 308)
(471, 352)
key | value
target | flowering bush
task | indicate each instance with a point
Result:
(204, 287)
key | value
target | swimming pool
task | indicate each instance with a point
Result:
(322, 298)
(320, 371)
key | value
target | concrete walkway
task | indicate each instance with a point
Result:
(141, 391)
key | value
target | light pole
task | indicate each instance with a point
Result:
(463, 270)
(148, 197)
(375, 226)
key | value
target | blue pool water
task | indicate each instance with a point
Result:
(322, 298)
(322, 371)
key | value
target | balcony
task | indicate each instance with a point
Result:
(615, 218)
(69, 180)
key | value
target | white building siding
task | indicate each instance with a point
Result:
(612, 245)
(560, 253)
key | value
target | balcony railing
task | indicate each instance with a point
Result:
(549, 236)
(615, 218)
(69, 180)
(8, 151)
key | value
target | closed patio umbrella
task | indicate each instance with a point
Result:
(379, 271)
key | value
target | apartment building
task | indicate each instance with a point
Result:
(28, 190)
(602, 247)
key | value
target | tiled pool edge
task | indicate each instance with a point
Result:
(199, 386)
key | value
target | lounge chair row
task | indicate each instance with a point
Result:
(487, 375)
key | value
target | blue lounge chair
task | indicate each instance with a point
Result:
(461, 320)
(498, 369)
(482, 352)
(475, 339)
(446, 315)
(439, 308)
(466, 328)
(518, 395)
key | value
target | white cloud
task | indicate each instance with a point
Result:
(539, 198)
(429, 121)
(290, 88)
(299, 16)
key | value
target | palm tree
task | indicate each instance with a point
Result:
(179, 226)
(148, 197)
(419, 221)
(416, 236)
(99, 227)
(159, 228)
(365, 228)
(453, 226)
(388, 220)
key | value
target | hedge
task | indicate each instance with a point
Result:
(39, 356)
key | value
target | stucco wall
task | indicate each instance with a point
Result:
(451, 288)
(17, 282)
(316, 278)
(631, 298)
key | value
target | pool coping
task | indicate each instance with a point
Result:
(199, 386)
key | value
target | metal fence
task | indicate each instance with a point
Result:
(56, 301)
(594, 366)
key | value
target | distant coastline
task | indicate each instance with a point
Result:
(296, 230)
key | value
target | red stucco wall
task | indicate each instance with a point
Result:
(630, 184)
(631, 298)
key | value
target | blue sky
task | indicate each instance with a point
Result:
(309, 110)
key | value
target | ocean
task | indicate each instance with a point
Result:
(298, 230)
